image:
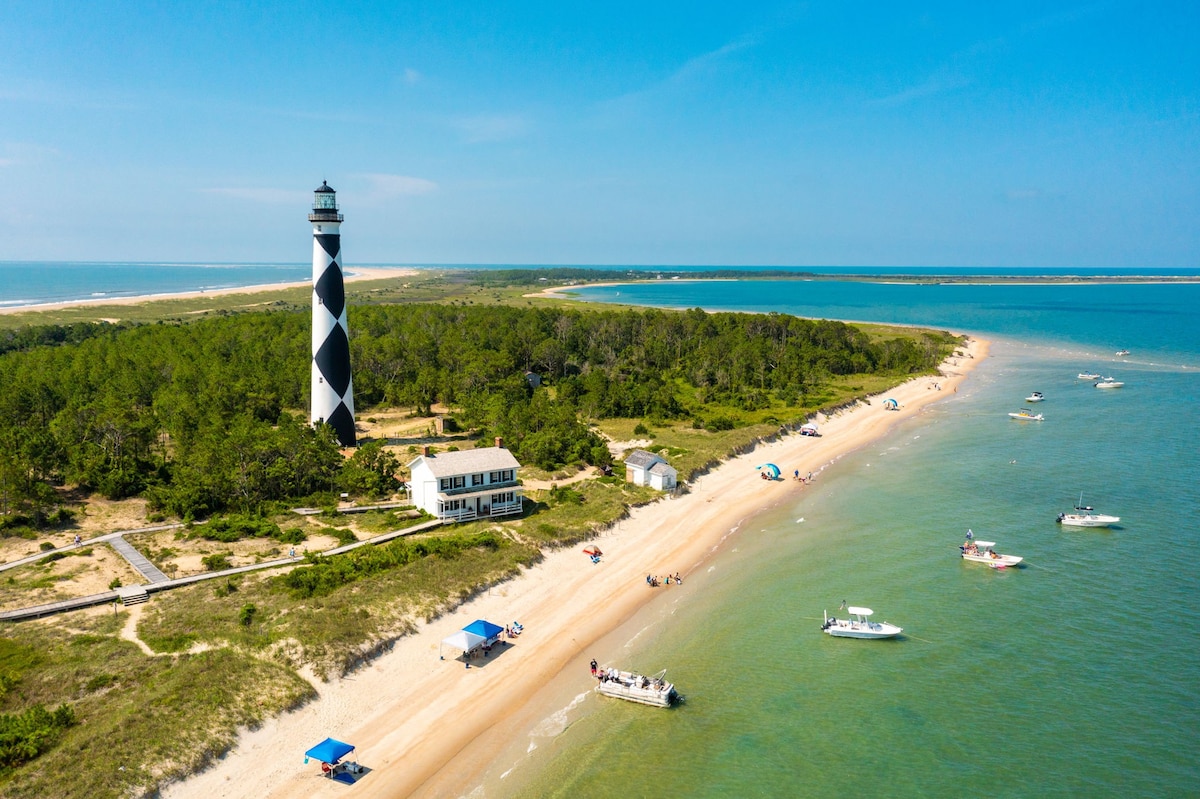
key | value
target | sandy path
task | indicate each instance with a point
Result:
(410, 713)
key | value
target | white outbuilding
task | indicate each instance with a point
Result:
(647, 469)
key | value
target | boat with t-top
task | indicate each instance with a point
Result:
(1086, 516)
(1026, 415)
(859, 625)
(983, 552)
(1036, 396)
(633, 687)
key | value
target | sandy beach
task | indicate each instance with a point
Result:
(352, 275)
(413, 716)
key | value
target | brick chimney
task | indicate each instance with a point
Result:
(425, 450)
(499, 442)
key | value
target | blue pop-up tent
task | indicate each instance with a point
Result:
(771, 469)
(329, 751)
(484, 628)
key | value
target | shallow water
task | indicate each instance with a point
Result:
(1072, 676)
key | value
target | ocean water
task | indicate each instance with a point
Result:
(1075, 675)
(39, 282)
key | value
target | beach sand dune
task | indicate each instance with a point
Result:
(412, 715)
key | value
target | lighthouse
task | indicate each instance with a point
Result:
(332, 388)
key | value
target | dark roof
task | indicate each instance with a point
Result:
(324, 188)
(641, 458)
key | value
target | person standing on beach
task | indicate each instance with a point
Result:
(593, 667)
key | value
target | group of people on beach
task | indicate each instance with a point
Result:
(796, 476)
(654, 581)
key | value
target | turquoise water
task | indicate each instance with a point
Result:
(1073, 676)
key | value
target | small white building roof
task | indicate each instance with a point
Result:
(662, 467)
(468, 461)
(641, 458)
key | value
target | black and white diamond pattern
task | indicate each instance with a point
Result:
(332, 387)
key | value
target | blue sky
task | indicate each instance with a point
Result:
(823, 133)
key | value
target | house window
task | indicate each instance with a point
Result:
(445, 484)
(460, 482)
(477, 479)
(502, 499)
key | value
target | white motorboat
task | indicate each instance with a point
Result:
(653, 690)
(859, 625)
(983, 552)
(1035, 397)
(1109, 382)
(1088, 376)
(1026, 415)
(1086, 516)
(1122, 353)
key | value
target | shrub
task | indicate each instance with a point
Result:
(291, 536)
(234, 528)
(216, 562)
(246, 615)
(24, 736)
(45, 546)
(718, 423)
(641, 430)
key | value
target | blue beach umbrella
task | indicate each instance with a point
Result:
(771, 469)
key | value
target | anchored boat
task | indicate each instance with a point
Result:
(1086, 516)
(628, 685)
(1109, 382)
(859, 625)
(1035, 397)
(982, 552)
(1026, 415)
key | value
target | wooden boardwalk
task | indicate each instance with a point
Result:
(165, 584)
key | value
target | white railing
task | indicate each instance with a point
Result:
(469, 514)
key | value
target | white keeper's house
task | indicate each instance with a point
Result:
(466, 485)
(644, 468)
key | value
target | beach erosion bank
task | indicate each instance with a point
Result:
(428, 727)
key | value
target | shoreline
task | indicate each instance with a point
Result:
(355, 275)
(411, 715)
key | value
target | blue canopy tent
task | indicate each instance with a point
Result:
(771, 470)
(329, 751)
(891, 404)
(484, 629)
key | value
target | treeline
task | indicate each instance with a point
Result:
(209, 416)
(558, 274)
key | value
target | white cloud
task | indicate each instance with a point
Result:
(266, 196)
(492, 127)
(411, 76)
